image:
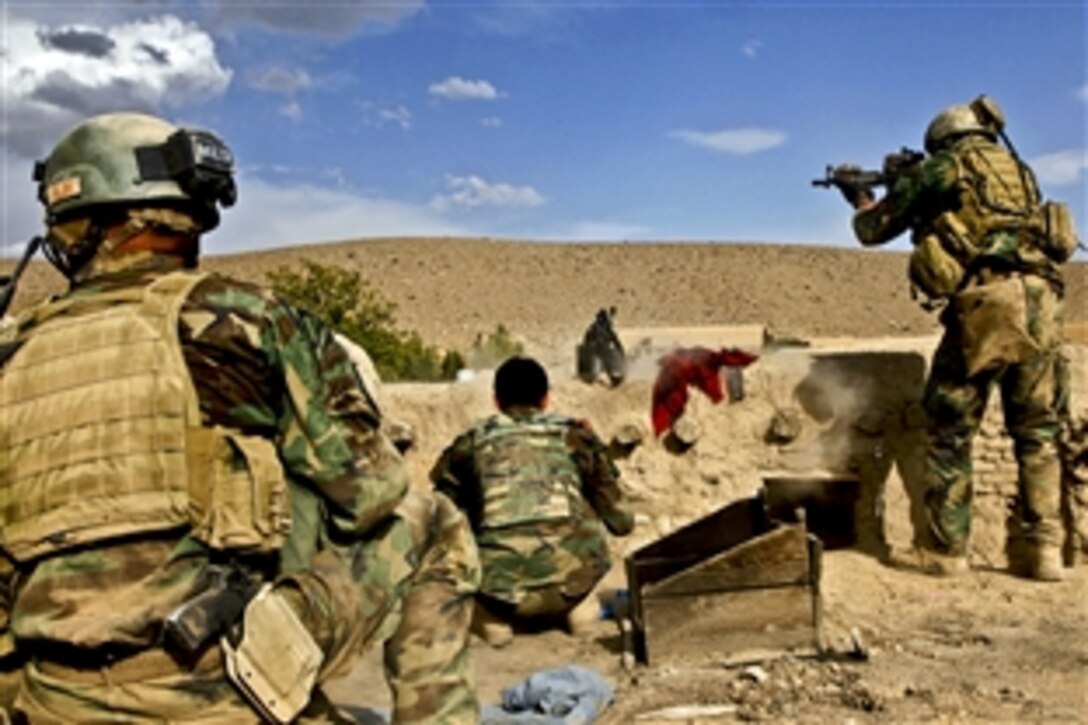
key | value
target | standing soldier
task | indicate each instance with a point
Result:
(988, 249)
(536, 487)
(199, 520)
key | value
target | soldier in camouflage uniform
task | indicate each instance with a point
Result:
(159, 425)
(536, 487)
(975, 209)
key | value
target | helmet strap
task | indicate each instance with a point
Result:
(71, 257)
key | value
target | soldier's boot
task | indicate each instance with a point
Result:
(581, 619)
(927, 561)
(490, 627)
(1045, 562)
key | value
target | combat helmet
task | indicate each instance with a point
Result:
(953, 122)
(119, 161)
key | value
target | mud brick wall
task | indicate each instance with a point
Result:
(994, 462)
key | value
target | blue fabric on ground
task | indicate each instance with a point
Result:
(570, 695)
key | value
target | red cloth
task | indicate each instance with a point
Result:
(698, 366)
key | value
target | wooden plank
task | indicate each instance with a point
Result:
(779, 557)
(720, 627)
(721, 530)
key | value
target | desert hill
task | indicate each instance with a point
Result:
(450, 289)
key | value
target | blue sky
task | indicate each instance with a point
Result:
(596, 121)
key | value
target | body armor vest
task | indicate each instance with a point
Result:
(100, 428)
(996, 190)
(995, 193)
(526, 473)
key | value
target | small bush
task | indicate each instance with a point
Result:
(343, 300)
(490, 350)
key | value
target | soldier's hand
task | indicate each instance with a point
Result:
(855, 193)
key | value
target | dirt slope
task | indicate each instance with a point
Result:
(452, 289)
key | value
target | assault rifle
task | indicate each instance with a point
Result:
(855, 179)
(11, 281)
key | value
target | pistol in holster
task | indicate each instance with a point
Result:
(213, 612)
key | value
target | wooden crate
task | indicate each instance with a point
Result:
(731, 587)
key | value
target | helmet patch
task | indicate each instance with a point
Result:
(64, 189)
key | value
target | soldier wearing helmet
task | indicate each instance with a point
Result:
(982, 254)
(200, 518)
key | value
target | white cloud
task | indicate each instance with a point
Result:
(491, 122)
(291, 110)
(525, 17)
(732, 141)
(456, 88)
(399, 115)
(751, 47)
(281, 80)
(1061, 168)
(55, 77)
(1082, 93)
(278, 214)
(471, 191)
(607, 232)
(376, 114)
(322, 17)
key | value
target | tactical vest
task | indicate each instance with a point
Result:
(995, 192)
(525, 471)
(101, 436)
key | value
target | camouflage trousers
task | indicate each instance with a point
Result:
(1075, 495)
(409, 584)
(1073, 450)
(955, 405)
(533, 574)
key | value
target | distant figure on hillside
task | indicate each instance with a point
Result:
(601, 350)
(700, 367)
(987, 249)
(536, 487)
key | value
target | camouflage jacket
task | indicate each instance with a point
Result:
(513, 557)
(258, 366)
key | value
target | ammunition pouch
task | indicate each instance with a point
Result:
(276, 662)
(993, 325)
(1059, 239)
(933, 271)
(940, 259)
(238, 497)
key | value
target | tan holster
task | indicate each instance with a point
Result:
(276, 663)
